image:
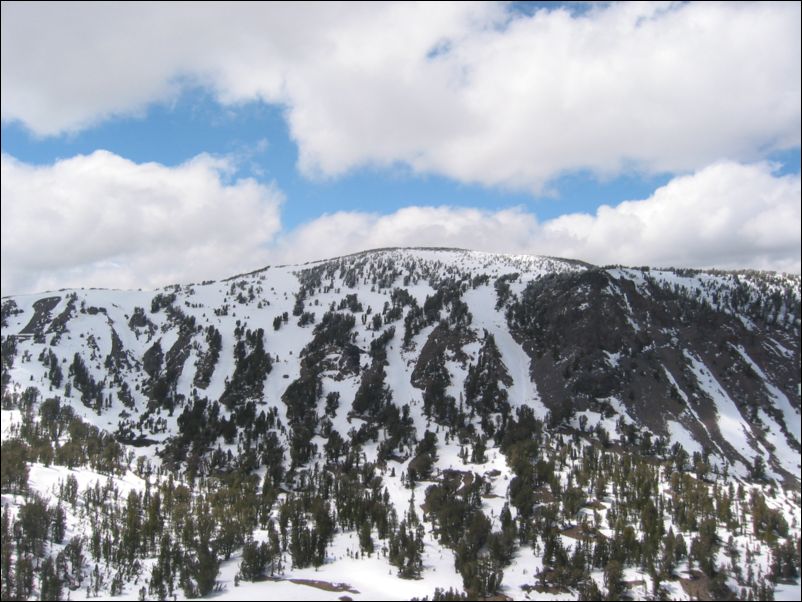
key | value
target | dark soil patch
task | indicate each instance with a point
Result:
(325, 585)
(545, 496)
(582, 533)
(697, 585)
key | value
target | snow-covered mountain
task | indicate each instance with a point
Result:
(402, 420)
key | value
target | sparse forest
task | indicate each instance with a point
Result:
(461, 425)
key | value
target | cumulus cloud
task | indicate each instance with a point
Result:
(476, 92)
(727, 215)
(101, 220)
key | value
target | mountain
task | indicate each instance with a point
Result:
(401, 421)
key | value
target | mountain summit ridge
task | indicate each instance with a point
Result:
(426, 365)
(582, 300)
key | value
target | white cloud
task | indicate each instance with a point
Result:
(727, 215)
(101, 220)
(464, 90)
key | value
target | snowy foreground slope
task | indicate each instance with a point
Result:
(401, 421)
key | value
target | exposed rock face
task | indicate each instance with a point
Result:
(658, 343)
(460, 338)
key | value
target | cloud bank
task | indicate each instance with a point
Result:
(477, 92)
(101, 220)
(727, 215)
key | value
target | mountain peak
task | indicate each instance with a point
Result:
(510, 388)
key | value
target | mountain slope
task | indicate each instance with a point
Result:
(292, 370)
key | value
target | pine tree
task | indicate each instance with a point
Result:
(613, 580)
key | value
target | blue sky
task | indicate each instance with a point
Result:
(508, 128)
(257, 133)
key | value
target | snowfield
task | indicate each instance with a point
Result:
(115, 334)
